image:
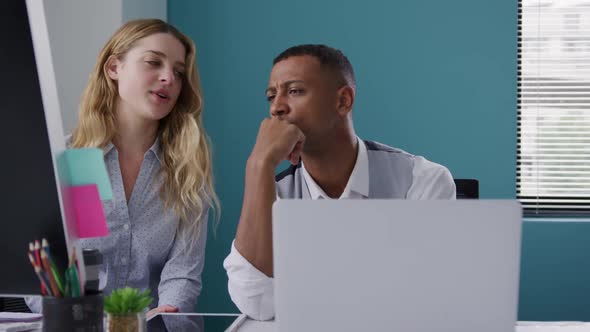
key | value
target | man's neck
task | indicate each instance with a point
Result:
(331, 169)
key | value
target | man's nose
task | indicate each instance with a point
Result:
(279, 107)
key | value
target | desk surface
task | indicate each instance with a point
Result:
(255, 326)
(249, 325)
(552, 326)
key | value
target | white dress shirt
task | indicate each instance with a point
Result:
(253, 291)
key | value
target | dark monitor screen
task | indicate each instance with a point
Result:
(29, 202)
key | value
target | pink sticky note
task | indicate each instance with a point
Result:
(85, 211)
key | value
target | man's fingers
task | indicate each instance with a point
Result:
(164, 308)
(151, 313)
(296, 153)
(169, 308)
(278, 140)
(297, 150)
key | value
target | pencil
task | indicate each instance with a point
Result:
(39, 273)
(49, 275)
(35, 254)
(54, 270)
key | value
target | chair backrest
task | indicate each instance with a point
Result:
(467, 188)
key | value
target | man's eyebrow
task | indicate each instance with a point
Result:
(287, 83)
(163, 55)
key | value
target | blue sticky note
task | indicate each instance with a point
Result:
(78, 167)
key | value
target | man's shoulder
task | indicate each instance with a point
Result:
(418, 177)
(376, 148)
(379, 153)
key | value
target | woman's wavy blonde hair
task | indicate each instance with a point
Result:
(187, 184)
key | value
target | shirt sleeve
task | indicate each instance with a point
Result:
(251, 290)
(431, 181)
(180, 281)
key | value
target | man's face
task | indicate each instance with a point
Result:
(301, 92)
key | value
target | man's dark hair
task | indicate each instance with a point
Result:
(329, 58)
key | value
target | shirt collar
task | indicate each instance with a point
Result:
(358, 182)
(155, 148)
(107, 149)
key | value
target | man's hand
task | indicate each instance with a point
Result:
(277, 140)
(164, 308)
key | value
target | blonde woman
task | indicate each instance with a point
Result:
(143, 107)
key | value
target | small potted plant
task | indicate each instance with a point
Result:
(125, 308)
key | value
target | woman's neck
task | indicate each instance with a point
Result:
(134, 135)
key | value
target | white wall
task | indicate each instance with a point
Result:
(78, 29)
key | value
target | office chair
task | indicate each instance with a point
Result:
(467, 188)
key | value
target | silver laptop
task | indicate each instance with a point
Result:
(396, 265)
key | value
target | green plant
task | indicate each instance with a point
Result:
(127, 300)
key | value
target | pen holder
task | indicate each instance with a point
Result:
(84, 313)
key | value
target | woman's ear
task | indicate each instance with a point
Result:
(345, 100)
(112, 67)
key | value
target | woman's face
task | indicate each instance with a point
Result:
(149, 77)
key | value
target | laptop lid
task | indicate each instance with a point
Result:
(396, 265)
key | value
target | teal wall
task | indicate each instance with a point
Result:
(436, 78)
(555, 271)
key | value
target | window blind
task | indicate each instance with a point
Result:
(553, 147)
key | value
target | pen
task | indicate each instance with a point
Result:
(75, 284)
(72, 281)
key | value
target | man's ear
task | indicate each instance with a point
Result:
(345, 100)
(112, 66)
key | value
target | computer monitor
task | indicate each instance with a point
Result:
(31, 137)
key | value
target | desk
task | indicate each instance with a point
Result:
(255, 326)
(552, 327)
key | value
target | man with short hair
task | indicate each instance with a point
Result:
(311, 92)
